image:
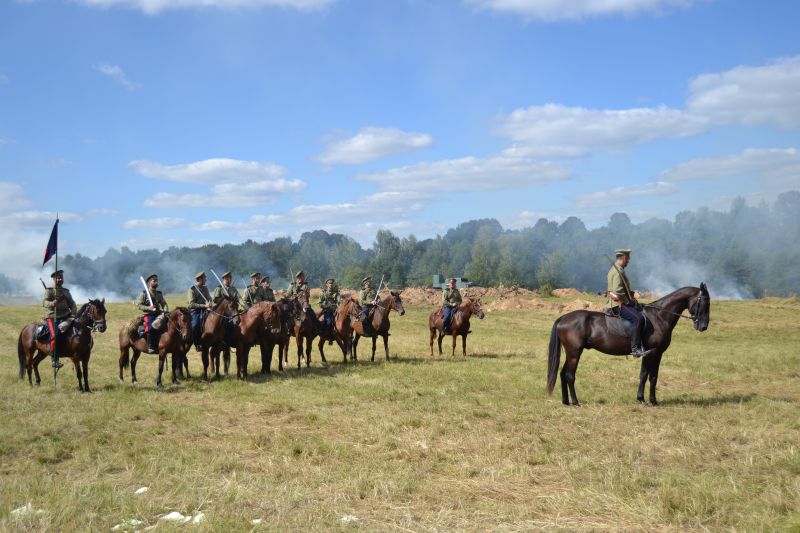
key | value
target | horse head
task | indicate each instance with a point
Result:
(96, 311)
(396, 303)
(475, 307)
(271, 315)
(700, 308)
(182, 321)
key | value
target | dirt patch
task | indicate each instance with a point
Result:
(495, 298)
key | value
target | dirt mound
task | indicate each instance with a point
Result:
(567, 293)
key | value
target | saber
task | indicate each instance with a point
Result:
(378, 292)
(200, 293)
(146, 291)
(221, 284)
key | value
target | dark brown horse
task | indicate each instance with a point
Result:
(217, 336)
(581, 330)
(379, 325)
(305, 328)
(77, 346)
(459, 323)
(342, 331)
(175, 340)
(261, 324)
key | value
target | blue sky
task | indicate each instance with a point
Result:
(150, 123)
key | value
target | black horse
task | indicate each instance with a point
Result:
(581, 330)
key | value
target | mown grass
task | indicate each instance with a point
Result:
(420, 443)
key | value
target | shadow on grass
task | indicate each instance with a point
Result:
(710, 401)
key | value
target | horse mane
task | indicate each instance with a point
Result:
(673, 293)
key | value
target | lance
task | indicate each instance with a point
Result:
(146, 291)
(221, 284)
(622, 277)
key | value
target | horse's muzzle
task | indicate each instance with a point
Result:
(101, 326)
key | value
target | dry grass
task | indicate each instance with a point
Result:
(420, 443)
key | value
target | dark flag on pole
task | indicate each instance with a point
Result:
(52, 244)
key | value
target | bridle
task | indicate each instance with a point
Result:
(693, 309)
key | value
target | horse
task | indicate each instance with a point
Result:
(91, 317)
(379, 325)
(459, 323)
(305, 328)
(343, 327)
(175, 340)
(261, 324)
(581, 330)
(213, 337)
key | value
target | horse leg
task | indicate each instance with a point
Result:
(124, 355)
(185, 359)
(643, 371)
(374, 342)
(655, 363)
(178, 358)
(134, 360)
(85, 365)
(355, 344)
(568, 377)
(299, 351)
(226, 355)
(455, 340)
(386, 346)
(36, 360)
(161, 358)
(78, 373)
(433, 334)
(204, 357)
(309, 344)
(464, 344)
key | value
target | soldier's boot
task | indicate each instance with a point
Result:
(151, 342)
(55, 361)
(636, 345)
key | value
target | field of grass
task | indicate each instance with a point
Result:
(419, 443)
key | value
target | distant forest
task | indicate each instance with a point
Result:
(748, 251)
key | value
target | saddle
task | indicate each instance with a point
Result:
(618, 326)
(136, 326)
(66, 328)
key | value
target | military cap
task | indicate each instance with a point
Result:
(226, 274)
(368, 278)
(265, 278)
(199, 275)
(57, 273)
(255, 275)
(450, 280)
(151, 276)
(622, 251)
(301, 273)
(330, 279)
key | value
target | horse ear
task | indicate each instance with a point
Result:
(703, 286)
(103, 301)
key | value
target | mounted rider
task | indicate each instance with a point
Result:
(367, 297)
(621, 294)
(152, 312)
(252, 294)
(451, 299)
(266, 290)
(199, 303)
(300, 286)
(61, 307)
(329, 300)
(226, 290)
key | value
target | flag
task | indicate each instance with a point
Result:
(52, 244)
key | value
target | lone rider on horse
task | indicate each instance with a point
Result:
(60, 305)
(621, 294)
(451, 298)
(151, 312)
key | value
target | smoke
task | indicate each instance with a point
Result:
(662, 275)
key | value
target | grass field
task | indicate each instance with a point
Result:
(419, 443)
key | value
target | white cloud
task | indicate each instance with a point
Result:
(37, 219)
(154, 223)
(622, 196)
(750, 95)
(215, 170)
(103, 212)
(468, 173)
(778, 166)
(553, 10)
(117, 74)
(372, 143)
(13, 196)
(154, 7)
(556, 130)
(231, 195)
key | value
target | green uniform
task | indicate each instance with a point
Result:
(617, 280)
(251, 296)
(219, 294)
(295, 288)
(268, 294)
(367, 296)
(143, 304)
(330, 300)
(61, 308)
(451, 297)
(194, 300)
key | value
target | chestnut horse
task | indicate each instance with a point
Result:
(78, 347)
(216, 336)
(261, 324)
(581, 330)
(343, 322)
(379, 325)
(305, 328)
(459, 323)
(174, 340)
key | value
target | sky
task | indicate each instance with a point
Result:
(153, 123)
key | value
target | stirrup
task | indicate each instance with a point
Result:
(638, 352)
(57, 364)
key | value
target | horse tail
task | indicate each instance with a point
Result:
(554, 357)
(21, 356)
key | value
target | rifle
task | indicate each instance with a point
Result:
(43, 285)
(221, 284)
(147, 292)
(622, 277)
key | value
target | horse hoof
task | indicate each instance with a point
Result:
(653, 402)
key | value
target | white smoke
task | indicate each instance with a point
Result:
(663, 275)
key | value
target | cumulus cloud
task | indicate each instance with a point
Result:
(779, 166)
(554, 10)
(154, 7)
(557, 130)
(468, 173)
(372, 143)
(154, 223)
(750, 95)
(213, 170)
(13, 196)
(116, 73)
(622, 196)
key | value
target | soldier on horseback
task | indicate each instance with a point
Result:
(451, 298)
(266, 290)
(367, 297)
(199, 302)
(252, 294)
(329, 300)
(151, 312)
(620, 293)
(300, 286)
(60, 305)
(226, 290)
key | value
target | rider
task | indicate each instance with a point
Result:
(199, 302)
(60, 305)
(252, 294)
(299, 286)
(228, 291)
(151, 312)
(451, 298)
(620, 293)
(266, 290)
(329, 300)
(367, 298)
